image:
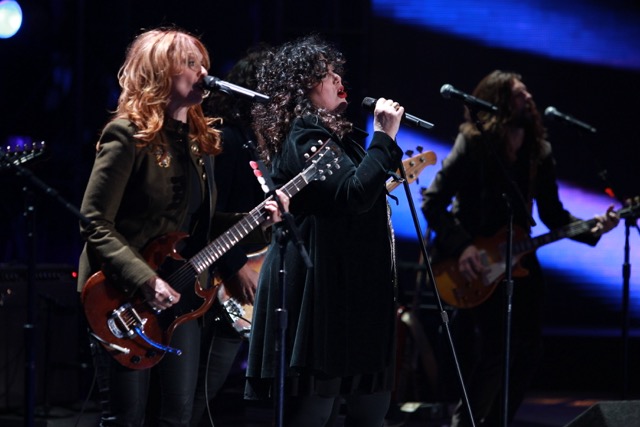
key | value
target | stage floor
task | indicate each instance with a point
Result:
(540, 409)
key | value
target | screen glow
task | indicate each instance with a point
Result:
(569, 30)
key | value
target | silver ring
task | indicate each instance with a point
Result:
(169, 298)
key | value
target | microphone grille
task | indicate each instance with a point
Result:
(445, 91)
(550, 111)
(369, 103)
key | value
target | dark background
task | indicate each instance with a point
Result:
(58, 84)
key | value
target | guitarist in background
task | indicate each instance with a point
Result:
(153, 174)
(472, 175)
(238, 191)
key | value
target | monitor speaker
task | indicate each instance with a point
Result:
(609, 414)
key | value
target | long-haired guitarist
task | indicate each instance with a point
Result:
(479, 170)
(153, 175)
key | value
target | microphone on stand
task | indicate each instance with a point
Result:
(413, 121)
(552, 113)
(214, 83)
(447, 91)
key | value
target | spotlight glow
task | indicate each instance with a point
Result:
(10, 18)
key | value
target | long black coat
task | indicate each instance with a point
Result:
(341, 312)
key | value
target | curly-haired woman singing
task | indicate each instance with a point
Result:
(340, 312)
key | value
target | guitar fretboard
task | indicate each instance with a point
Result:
(571, 230)
(211, 253)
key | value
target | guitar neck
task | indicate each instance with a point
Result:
(212, 252)
(568, 231)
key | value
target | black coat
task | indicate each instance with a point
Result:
(341, 312)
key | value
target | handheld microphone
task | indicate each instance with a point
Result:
(214, 83)
(555, 114)
(447, 91)
(370, 105)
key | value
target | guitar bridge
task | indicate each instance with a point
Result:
(124, 320)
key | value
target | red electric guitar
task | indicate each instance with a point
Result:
(137, 336)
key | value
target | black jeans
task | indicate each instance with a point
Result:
(161, 396)
(219, 348)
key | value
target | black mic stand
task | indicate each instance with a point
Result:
(443, 314)
(30, 325)
(508, 259)
(283, 235)
(626, 279)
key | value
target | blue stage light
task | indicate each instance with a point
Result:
(10, 18)
(602, 33)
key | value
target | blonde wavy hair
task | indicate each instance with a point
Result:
(146, 81)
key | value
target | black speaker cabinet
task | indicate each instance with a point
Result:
(609, 414)
(58, 330)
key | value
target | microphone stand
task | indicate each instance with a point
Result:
(31, 323)
(443, 314)
(626, 280)
(283, 235)
(508, 281)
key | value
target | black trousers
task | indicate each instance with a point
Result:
(479, 339)
(219, 348)
(161, 396)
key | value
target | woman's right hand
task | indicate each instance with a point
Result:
(387, 116)
(159, 294)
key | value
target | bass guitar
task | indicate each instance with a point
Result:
(237, 314)
(462, 293)
(413, 167)
(131, 331)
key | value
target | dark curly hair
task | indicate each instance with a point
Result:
(287, 76)
(496, 89)
(234, 109)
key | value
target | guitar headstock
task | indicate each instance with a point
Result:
(322, 160)
(631, 210)
(17, 153)
(413, 167)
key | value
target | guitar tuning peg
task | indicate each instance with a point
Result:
(265, 188)
(257, 173)
(322, 178)
(409, 153)
(254, 165)
(306, 155)
(419, 149)
(314, 149)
